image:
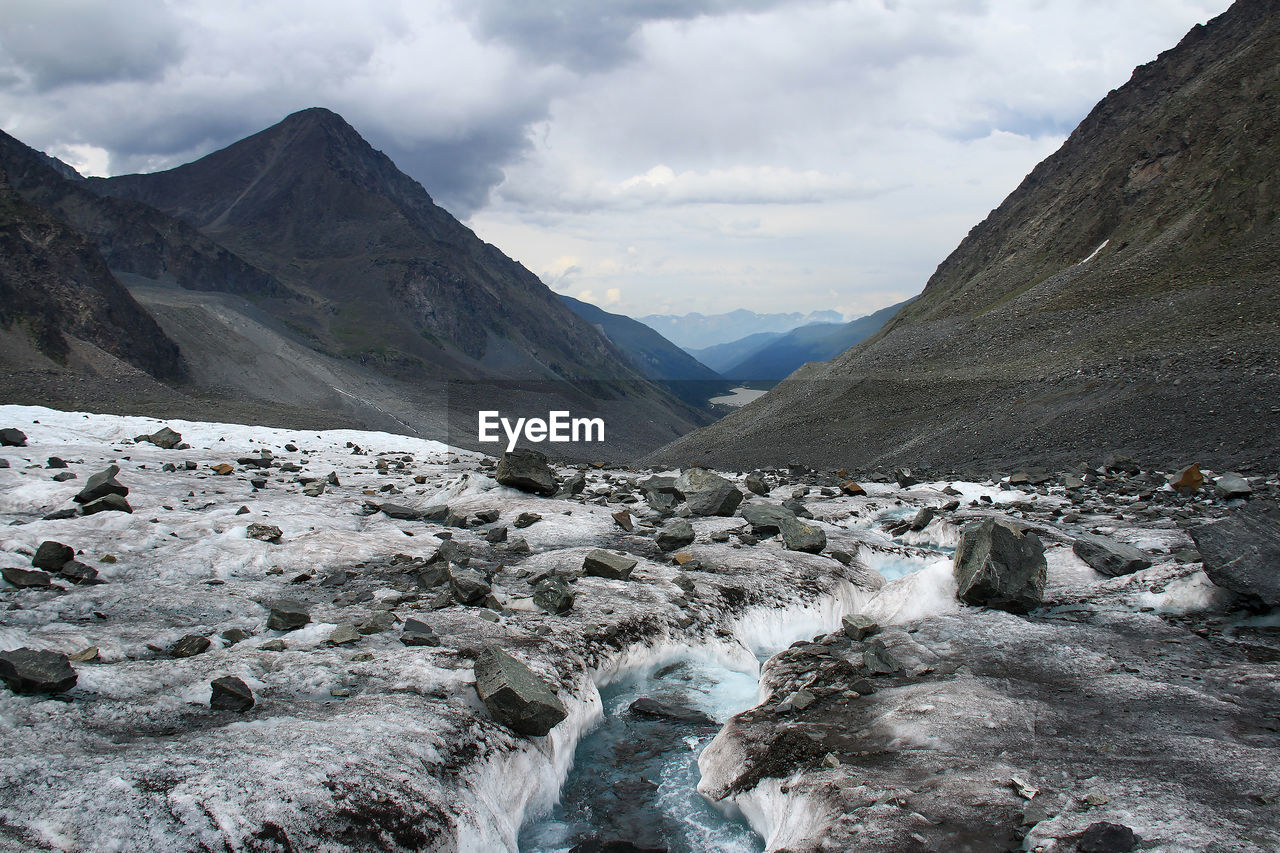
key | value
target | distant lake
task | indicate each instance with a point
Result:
(739, 397)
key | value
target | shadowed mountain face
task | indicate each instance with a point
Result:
(1125, 298)
(56, 291)
(699, 331)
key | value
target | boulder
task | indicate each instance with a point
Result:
(528, 471)
(515, 695)
(1108, 556)
(526, 519)
(229, 693)
(36, 671)
(1188, 480)
(264, 533)
(604, 564)
(653, 709)
(77, 572)
(106, 503)
(100, 485)
(799, 535)
(766, 519)
(923, 516)
(1231, 486)
(996, 565)
(574, 485)
(553, 595)
(858, 627)
(622, 518)
(797, 507)
(660, 492)
(497, 534)
(344, 634)
(878, 660)
(707, 493)
(1104, 837)
(288, 614)
(418, 633)
(756, 485)
(25, 578)
(164, 437)
(468, 586)
(399, 512)
(675, 535)
(852, 489)
(1242, 553)
(10, 437)
(189, 646)
(55, 462)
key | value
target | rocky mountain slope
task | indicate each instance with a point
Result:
(696, 331)
(653, 355)
(1125, 298)
(780, 357)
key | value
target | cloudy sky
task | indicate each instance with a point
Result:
(650, 156)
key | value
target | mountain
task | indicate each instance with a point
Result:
(60, 305)
(780, 357)
(652, 355)
(300, 271)
(1125, 298)
(698, 331)
(720, 357)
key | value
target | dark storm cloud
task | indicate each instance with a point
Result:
(586, 35)
(47, 45)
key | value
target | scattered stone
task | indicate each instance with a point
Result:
(106, 503)
(235, 635)
(401, 513)
(528, 471)
(223, 469)
(288, 614)
(377, 623)
(25, 578)
(878, 660)
(189, 646)
(603, 564)
(515, 695)
(1103, 837)
(553, 595)
(574, 485)
(100, 485)
(675, 535)
(229, 693)
(653, 709)
(923, 516)
(526, 519)
(10, 437)
(622, 518)
(273, 646)
(36, 671)
(264, 532)
(766, 519)
(163, 437)
(52, 556)
(344, 634)
(1108, 556)
(468, 586)
(418, 633)
(1071, 482)
(1241, 553)
(55, 462)
(61, 514)
(1232, 486)
(85, 655)
(998, 566)
(756, 485)
(707, 493)
(488, 516)
(904, 478)
(78, 572)
(496, 534)
(798, 535)
(1188, 480)
(313, 489)
(63, 476)
(858, 627)
(852, 489)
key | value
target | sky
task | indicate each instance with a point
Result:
(649, 156)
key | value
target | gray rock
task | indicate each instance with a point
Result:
(528, 471)
(189, 646)
(288, 614)
(1104, 837)
(106, 503)
(654, 709)
(574, 485)
(418, 633)
(797, 507)
(344, 634)
(923, 516)
(1108, 556)
(63, 476)
(10, 437)
(496, 534)
(526, 519)
(78, 572)
(515, 695)
(756, 485)
(399, 512)
(264, 533)
(36, 671)
(100, 485)
(675, 535)
(604, 564)
(798, 535)
(553, 595)
(229, 693)
(998, 566)
(1231, 485)
(468, 586)
(707, 493)
(858, 627)
(52, 556)
(235, 635)
(25, 578)
(164, 437)
(488, 516)
(1242, 553)
(55, 462)
(660, 492)
(377, 623)
(766, 519)
(878, 660)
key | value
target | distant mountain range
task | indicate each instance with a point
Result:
(769, 356)
(296, 274)
(699, 331)
(1124, 299)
